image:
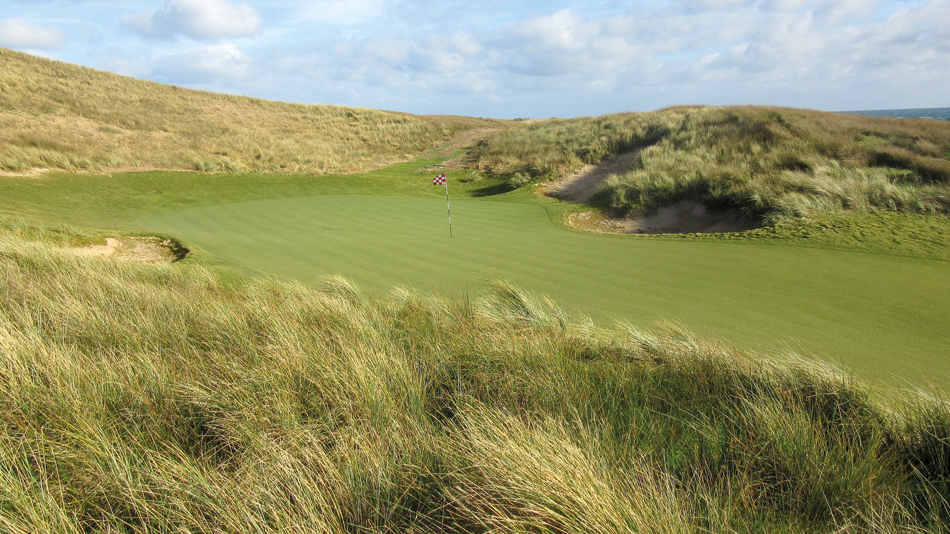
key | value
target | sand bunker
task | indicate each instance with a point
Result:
(684, 217)
(136, 250)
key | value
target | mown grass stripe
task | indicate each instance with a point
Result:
(880, 315)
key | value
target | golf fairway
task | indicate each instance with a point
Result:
(883, 317)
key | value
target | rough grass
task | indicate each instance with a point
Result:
(157, 399)
(60, 116)
(775, 163)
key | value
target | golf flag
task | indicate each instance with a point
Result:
(440, 180)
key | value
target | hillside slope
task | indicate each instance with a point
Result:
(62, 116)
(772, 163)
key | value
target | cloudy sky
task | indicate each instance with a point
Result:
(505, 59)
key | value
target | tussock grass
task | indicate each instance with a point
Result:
(773, 163)
(163, 398)
(60, 116)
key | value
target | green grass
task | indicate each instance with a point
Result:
(113, 200)
(147, 399)
(880, 314)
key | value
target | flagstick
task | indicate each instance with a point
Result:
(447, 207)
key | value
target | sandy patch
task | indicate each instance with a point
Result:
(34, 172)
(136, 250)
(37, 172)
(583, 184)
(684, 217)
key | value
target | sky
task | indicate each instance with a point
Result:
(506, 59)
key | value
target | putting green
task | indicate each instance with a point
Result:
(884, 317)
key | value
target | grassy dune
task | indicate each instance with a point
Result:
(772, 163)
(156, 399)
(60, 116)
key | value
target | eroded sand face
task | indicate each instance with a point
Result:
(133, 250)
(684, 217)
(582, 185)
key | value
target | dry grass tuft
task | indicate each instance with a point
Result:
(161, 398)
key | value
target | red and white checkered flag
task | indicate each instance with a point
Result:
(439, 180)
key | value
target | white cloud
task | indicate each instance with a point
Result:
(18, 33)
(717, 4)
(452, 54)
(126, 66)
(787, 5)
(216, 64)
(925, 25)
(343, 11)
(445, 55)
(204, 20)
(391, 51)
(913, 44)
(565, 43)
(834, 11)
(916, 38)
(312, 65)
(564, 30)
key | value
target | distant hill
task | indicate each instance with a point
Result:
(61, 116)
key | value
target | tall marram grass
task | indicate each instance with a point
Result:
(768, 162)
(61, 116)
(165, 399)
